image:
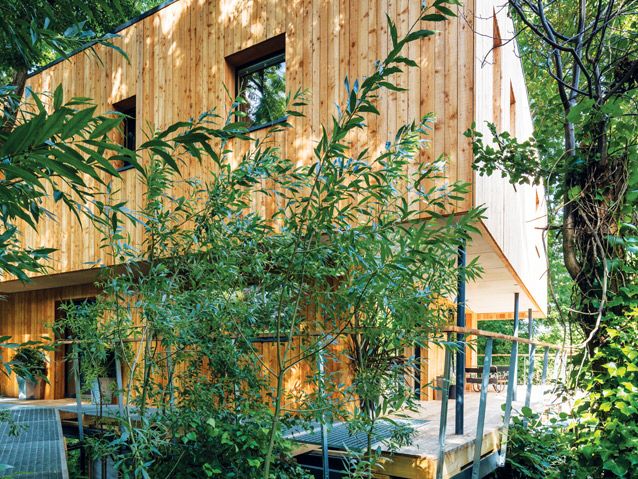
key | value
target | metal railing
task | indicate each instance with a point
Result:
(485, 378)
(460, 332)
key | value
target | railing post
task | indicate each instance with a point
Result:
(460, 338)
(169, 370)
(511, 387)
(78, 390)
(120, 385)
(78, 404)
(325, 464)
(515, 334)
(556, 367)
(544, 374)
(444, 404)
(485, 384)
(532, 351)
(417, 372)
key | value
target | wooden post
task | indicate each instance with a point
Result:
(485, 384)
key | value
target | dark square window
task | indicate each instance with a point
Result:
(262, 86)
(127, 108)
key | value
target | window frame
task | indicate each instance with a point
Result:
(268, 60)
(128, 108)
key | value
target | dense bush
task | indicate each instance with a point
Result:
(223, 445)
(599, 438)
(605, 432)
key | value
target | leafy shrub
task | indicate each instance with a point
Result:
(536, 448)
(599, 438)
(605, 439)
(225, 445)
(29, 363)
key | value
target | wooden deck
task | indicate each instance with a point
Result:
(419, 460)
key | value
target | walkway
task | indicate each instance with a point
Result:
(32, 444)
(419, 460)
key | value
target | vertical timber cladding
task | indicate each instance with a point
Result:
(28, 316)
(177, 68)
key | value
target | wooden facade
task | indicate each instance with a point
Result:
(179, 68)
(178, 65)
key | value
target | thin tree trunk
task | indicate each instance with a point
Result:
(274, 425)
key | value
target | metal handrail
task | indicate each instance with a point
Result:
(506, 337)
(462, 332)
(492, 336)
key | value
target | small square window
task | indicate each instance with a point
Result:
(262, 85)
(128, 140)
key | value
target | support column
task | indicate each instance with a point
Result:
(78, 404)
(532, 351)
(514, 377)
(417, 371)
(325, 460)
(460, 338)
(443, 418)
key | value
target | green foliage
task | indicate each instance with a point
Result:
(85, 320)
(598, 438)
(517, 161)
(353, 252)
(36, 31)
(537, 448)
(66, 151)
(605, 440)
(29, 363)
(227, 444)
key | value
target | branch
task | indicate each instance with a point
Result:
(569, 242)
(12, 102)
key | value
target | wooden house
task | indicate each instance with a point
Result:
(180, 56)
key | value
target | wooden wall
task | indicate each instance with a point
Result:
(178, 69)
(28, 317)
(515, 216)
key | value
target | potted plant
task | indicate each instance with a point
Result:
(30, 366)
